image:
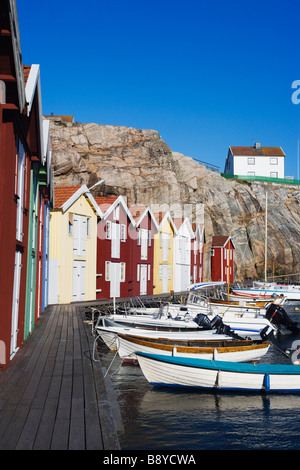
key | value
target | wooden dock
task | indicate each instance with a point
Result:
(53, 395)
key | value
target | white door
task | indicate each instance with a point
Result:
(143, 279)
(15, 306)
(115, 278)
(185, 277)
(78, 280)
(32, 293)
(53, 281)
(165, 277)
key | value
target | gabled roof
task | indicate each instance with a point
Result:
(219, 241)
(111, 204)
(139, 212)
(161, 217)
(65, 196)
(33, 87)
(257, 152)
(104, 202)
(200, 228)
(180, 221)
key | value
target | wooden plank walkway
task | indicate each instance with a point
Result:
(53, 394)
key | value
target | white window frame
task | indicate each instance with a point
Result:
(107, 270)
(149, 237)
(108, 230)
(88, 226)
(123, 233)
(144, 243)
(122, 272)
(251, 160)
(139, 236)
(116, 213)
(273, 174)
(273, 161)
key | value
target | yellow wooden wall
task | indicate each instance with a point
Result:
(158, 257)
(61, 249)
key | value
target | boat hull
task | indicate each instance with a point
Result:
(289, 295)
(218, 375)
(128, 345)
(109, 335)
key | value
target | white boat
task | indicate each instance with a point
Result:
(108, 332)
(239, 352)
(173, 371)
(242, 319)
(159, 321)
(290, 292)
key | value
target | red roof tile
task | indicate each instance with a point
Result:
(62, 194)
(219, 240)
(104, 202)
(137, 211)
(256, 152)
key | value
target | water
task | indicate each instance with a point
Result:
(166, 419)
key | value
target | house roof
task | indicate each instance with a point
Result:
(161, 217)
(104, 202)
(62, 194)
(258, 152)
(26, 71)
(180, 221)
(65, 196)
(200, 228)
(138, 212)
(108, 203)
(221, 240)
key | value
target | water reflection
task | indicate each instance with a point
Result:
(164, 419)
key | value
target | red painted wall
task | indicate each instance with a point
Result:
(104, 254)
(147, 224)
(8, 243)
(196, 260)
(219, 263)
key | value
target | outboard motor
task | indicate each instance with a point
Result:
(278, 316)
(203, 321)
(266, 333)
(217, 323)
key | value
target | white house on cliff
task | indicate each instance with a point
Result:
(255, 161)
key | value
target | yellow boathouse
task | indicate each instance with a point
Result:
(73, 245)
(163, 269)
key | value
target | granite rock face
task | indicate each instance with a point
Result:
(140, 166)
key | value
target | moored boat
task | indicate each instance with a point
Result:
(172, 371)
(290, 292)
(240, 352)
(108, 333)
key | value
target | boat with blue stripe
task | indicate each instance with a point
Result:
(172, 371)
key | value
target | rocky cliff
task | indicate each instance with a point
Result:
(139, 165)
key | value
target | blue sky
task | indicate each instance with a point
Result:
(205, 75)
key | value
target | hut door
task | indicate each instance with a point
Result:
(15, 306)
(165, 276)
(115, 278)
(143, 279)
(78, 280)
